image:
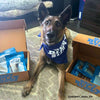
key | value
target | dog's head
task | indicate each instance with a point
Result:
(53, 26)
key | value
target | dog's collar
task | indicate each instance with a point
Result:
(58, 52)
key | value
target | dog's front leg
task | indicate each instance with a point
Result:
(38, 68)
(29, 85)
(61, 78)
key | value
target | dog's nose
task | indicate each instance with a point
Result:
(50, 34)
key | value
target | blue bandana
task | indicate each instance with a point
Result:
(58, 52)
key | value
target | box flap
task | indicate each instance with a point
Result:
(12, 24)
(88, 40)
(86, 48)
(12, 34)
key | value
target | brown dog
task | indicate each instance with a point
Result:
(53, 30)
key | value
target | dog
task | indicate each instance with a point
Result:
(54, 35)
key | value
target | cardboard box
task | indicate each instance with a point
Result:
(85, 48)
(12, 34)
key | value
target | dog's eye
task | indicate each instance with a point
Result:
(47, 22)
(57, 23)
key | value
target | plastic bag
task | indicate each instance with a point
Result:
(96, 76)
(88, 70)
(3, 62)
(16, 62)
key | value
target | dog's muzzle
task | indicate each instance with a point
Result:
(50, 37)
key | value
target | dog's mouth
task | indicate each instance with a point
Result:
(50, 39)
(48, 42)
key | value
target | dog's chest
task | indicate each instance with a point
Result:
(49, 61)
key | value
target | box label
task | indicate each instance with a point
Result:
(87, 86)
(8, 78)
(95, 41)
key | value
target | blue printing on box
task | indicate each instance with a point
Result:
(87, 86)
(8, 78)
(95, 41)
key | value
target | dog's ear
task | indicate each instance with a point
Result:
(65, 15)
(43, 12)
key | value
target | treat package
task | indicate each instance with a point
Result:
(97, 80)
(77, 68)
(96, 76)
(84, 70)
(16, 62)
(79, 65)
(77, 73)
(9, 51)
(3, 62)
(25, 61)
(3, 65)
(88, 70)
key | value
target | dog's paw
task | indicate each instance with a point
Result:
(26, 91)
(60, 99)
(61, 95)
